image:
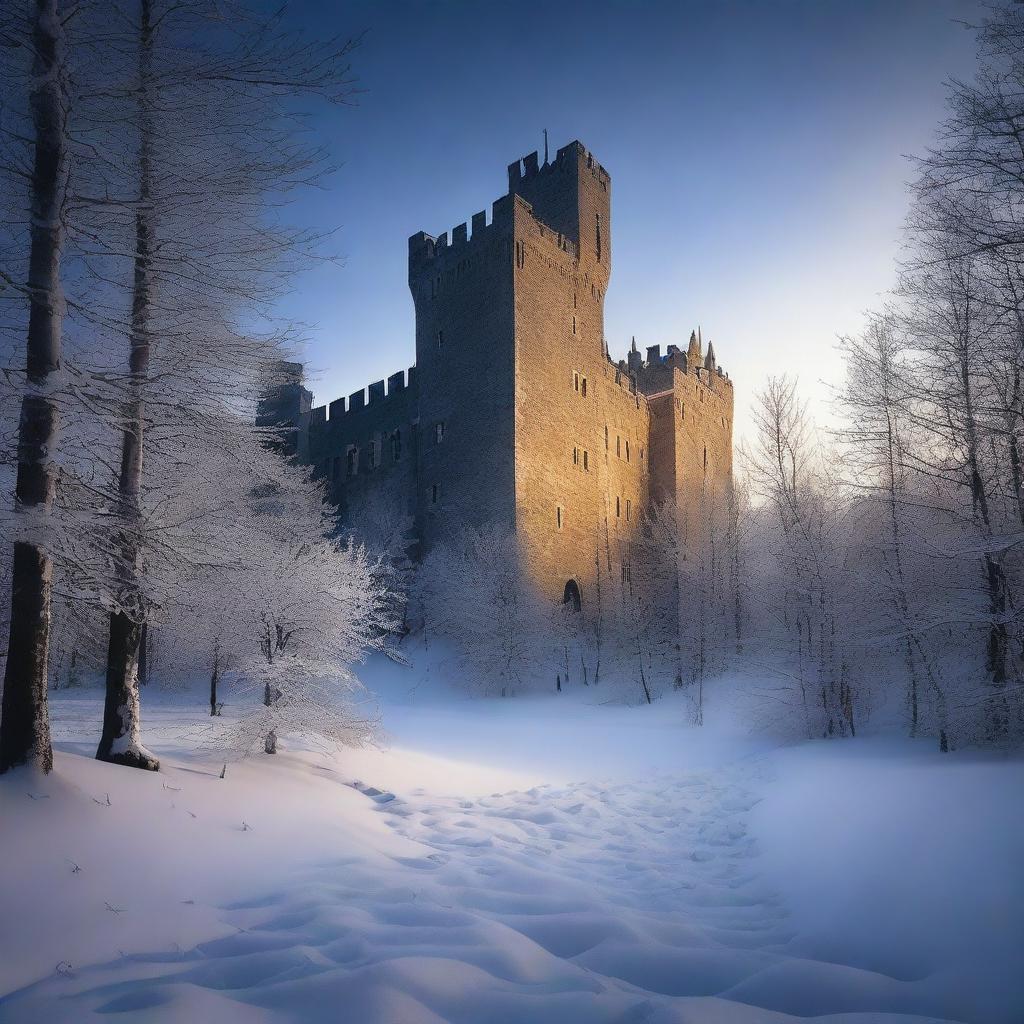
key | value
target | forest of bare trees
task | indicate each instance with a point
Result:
(867, 576)
(856, 578)
(149, 151)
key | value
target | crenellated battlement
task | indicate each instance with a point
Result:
(529, 182)
(437, 253)
(653, 374)
(567, 160)
(372, 396)
(515, 411)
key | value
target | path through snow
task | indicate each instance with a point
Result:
(631, 902)
(536, 861)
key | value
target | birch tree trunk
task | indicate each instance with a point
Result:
(120, 741)
(24, 720)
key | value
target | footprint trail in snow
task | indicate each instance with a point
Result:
(624, 903)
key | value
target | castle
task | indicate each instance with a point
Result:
(514, 411)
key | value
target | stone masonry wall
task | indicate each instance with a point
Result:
(515, 414)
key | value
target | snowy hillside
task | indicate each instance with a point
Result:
(530, 860)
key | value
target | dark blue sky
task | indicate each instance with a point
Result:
(756, 151)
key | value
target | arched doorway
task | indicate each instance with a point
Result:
(571, 595)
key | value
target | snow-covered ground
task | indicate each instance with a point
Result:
(546, 859)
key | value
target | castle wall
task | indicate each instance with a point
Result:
(366, 446)
(691, 438)
(579, 497)
(462, 289)
(515, 414)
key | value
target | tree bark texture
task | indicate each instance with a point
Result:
(24, 718)
(120, 741)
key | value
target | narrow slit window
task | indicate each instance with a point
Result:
(629, 510)
(351, 462)
(434, 490)
(558, 516)
(627, 449)
(439, 432)
(618, 506)
(583, 386)
(575, 381)
(575, 456)
(440, 338)
(606, 437)
(396, 445)
(618, 446)
(586, 461)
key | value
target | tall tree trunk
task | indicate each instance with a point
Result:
(215, 679)
(121, 741)
(24, 718)
(144, 655)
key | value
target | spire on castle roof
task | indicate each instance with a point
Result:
(709, 361)
(693, 351)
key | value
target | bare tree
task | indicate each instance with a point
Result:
(201, 139)
(24, 724)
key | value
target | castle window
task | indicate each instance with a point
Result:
(371, 455)
(627, 449)
(606, 437)
(618, 507)
(558, 516)
(352, 462)
(618, 446)
(438, 431)
(434, 491)
(597, 236)
(575, 381)
(627, 575)
(520, 255)
(586, 461)
(583, 385)
(396, 445)
(440, 338)
(629, 509)
(574, 325)
(575, 456)
(705, 458)
(641, 453)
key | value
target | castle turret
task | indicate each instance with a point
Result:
(572, 195)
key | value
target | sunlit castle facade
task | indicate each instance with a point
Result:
(514, 411)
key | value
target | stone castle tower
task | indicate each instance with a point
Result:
(514, 412)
